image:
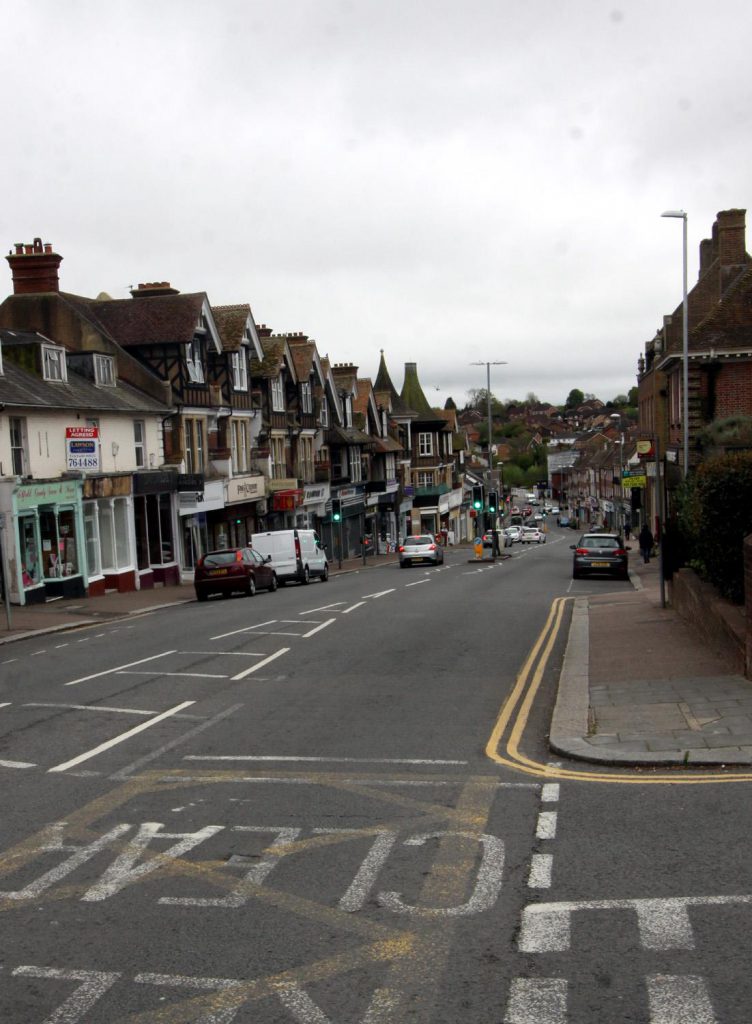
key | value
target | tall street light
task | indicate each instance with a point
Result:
(685, 335)
(488, 365)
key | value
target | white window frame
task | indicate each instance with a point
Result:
(104, 370)
(324, 417)
(426, 478)
(194, 444)
(353, 457)
(239, 445)
(306, 397)
(278, 394)
(279, 463)
(239, 371)
(19, 446)
(193, 361)
(425, 443)
(139, 442)
(54, 367)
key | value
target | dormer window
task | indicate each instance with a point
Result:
(53, 363)
(201, 324)
(239, 371)
(278, 395)
(104, 370)
(306, 397)
(193, 361)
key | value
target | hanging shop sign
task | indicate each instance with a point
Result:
(82, 448)
(634, 478)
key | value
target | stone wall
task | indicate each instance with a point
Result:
(726, 626)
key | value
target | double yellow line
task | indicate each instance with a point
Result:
(512, 720)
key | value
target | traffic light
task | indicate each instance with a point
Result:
(493, 502)
(336, 510)
(477, 497)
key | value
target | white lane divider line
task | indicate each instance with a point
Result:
(5, 704)
(260, 664)
(546, 827)
(176, 675)
(537, 1001)
(346, 611)
(417, 583)
(323, 608)
(118, 668)
(90, 707)
(317, 629)
(16, 764)
(108, 744)
(541, 868)
(327, 760)
(228, 654)
(675, 999)
(550, 793)
(381, 593)
(245, 629)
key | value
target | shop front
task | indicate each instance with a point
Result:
(284, 501)
(199, 503)
(154, 496)
(313, 509)
(110, 534)
(46, 552)
(245, 505)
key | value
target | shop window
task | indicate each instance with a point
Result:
(57, 529)
(91, 531)
(166, 546)
(122, 547)
(31, 569)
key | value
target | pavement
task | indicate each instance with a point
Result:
(637, 686)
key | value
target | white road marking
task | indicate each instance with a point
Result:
(662, 923)
(355, 780)
(89, 707)
(5, 704)
(537, 1001)
(245, 629)
(346, 611)
(540, 871)
(176, 675)
(675, 999)
(550, 793)
(381, 593)
(118, 668)
(16, 764)
(416, 583)
(93, 985)
(323, 608)
(125, 773)
(8, 661)
(37, 653)
(120, 739)
(546, 827)
(58, 646)
(227, 654)
(260, 664)
(316, 629)
(328, 760)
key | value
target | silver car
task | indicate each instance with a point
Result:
(420, 548)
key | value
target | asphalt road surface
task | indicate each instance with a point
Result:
(335, 803)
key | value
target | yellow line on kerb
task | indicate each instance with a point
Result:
(516, 710)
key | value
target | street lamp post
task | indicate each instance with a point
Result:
(619, 513)
(681, 215)
(488, 365)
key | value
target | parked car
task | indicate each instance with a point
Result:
(554, 510)
(513, 534)
(503, 540)
(233, 570)
(296, 555)
(601, 554)
(563, 520)
(532, 535)
(420, 548)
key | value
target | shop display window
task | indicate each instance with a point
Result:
(57, 530)
(91, 528)
(31, 568)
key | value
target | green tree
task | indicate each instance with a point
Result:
(574, 398)
(450, 403)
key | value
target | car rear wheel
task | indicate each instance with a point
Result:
(306, 577)
(404, 565)
(201, 595)
(325, 574)
(251, 586)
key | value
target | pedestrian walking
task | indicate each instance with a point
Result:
(627, 529)
(646, 542)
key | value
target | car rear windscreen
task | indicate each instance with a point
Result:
(219, 558)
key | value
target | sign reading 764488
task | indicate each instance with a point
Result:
(82, 448)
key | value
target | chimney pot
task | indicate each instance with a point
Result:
(34, 267)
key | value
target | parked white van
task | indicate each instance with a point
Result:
(295, 554)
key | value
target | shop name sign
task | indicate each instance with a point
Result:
(82, 448)
(32, 495)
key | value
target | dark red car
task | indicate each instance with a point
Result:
(233, 570)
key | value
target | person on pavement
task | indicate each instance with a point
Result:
(646, 542)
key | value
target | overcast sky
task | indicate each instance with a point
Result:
(451, 182)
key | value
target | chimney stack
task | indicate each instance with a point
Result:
(731, 241)
(34, 268)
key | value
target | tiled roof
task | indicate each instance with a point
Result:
(413, 397)
(231, 322)
(20, 389)
(383, 384)
(274, 350)
(302, 356)
(159, 319)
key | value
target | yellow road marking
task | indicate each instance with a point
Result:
(523, 694)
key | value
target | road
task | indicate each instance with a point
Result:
(335, 804)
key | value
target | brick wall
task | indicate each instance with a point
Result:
(733, 390)
(723, 625)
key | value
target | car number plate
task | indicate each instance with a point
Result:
(600, 565)
(218, 572)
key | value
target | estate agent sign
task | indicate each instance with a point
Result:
(82, 448)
